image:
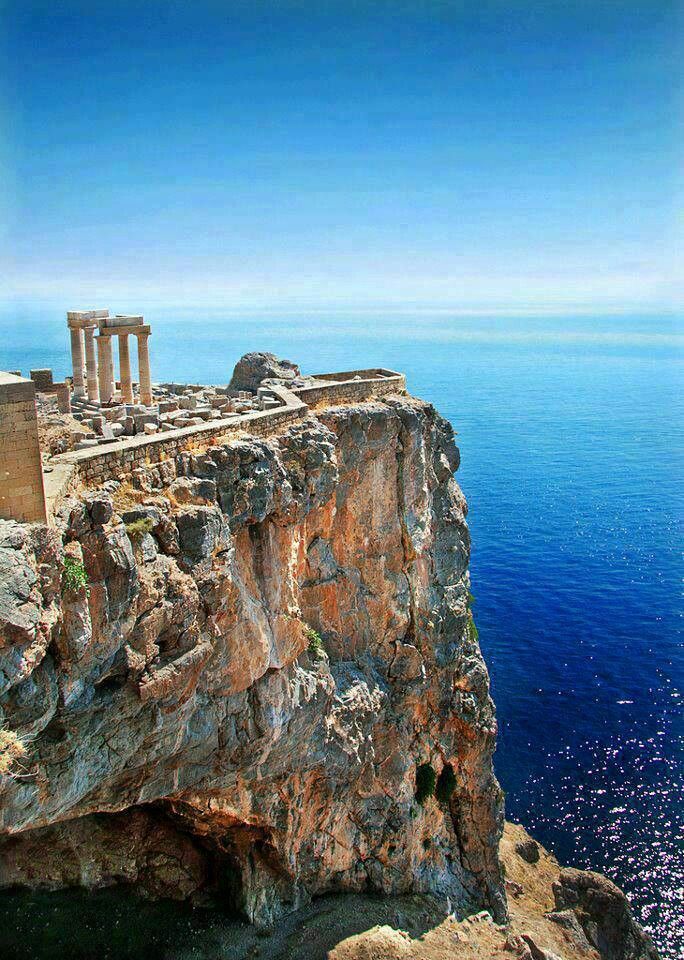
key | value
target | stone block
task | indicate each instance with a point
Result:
(42, 378)
(63, 396)
(141, 419)
(22, 495)
(120, 320)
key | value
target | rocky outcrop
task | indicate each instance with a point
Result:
(253, 676)
(603, 913)
(252, 369)
(136, 847)
(273, 638)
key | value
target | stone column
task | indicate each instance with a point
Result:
(91, 364)
(112, 378)
(77, 360)
(125, 369)
(144, 369)
(104, 367)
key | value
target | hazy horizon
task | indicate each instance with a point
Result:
(370, 156)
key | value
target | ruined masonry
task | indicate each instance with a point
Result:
(95, 426)
(22, 496)
(99, 384)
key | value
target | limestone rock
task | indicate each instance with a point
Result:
(256, 673)
(603, 912)
(528, 850)
(253, 368)
(201, 531)
(134, 847)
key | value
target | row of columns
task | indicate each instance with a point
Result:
(100, 384)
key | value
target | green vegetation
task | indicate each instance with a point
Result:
(426, 779)
(473, 635)
(74, 576)
(446, 783)
(12, 750)
(470, 600)
(316, 648)
(137, 528)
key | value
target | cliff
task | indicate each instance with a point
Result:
(254, 677)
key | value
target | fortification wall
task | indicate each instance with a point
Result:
(116, 460)
(352, 391)
(22, 496)
(121, 458)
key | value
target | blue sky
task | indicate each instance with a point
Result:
(472, 155)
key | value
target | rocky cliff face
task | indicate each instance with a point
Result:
(272, 656)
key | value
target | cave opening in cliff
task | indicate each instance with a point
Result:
(127, 881)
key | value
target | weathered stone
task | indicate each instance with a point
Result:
(251, 369)
(603, 912)
(528, 850)
(201, 531)
(537, 952)
(99, 507)
(270, 667)
(188, 490)
(134, 847)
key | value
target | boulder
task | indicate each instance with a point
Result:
(186, 490)
(528, 850)
(253, 368)
(201, 531)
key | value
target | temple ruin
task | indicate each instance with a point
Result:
(99, 384)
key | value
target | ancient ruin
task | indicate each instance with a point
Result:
(99, 385)
(238, 663)
(22, 496)
(98, 427)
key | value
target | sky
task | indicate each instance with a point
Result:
(477, 155)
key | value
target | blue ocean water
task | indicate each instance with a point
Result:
(571, 432)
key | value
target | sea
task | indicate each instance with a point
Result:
(571, 430)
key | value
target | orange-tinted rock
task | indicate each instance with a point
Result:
(192, 675)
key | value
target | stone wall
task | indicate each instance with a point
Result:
(22, 495)
(115, 460)
(123, 457)
(42, 379)
(352, 391)
(95, 466)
